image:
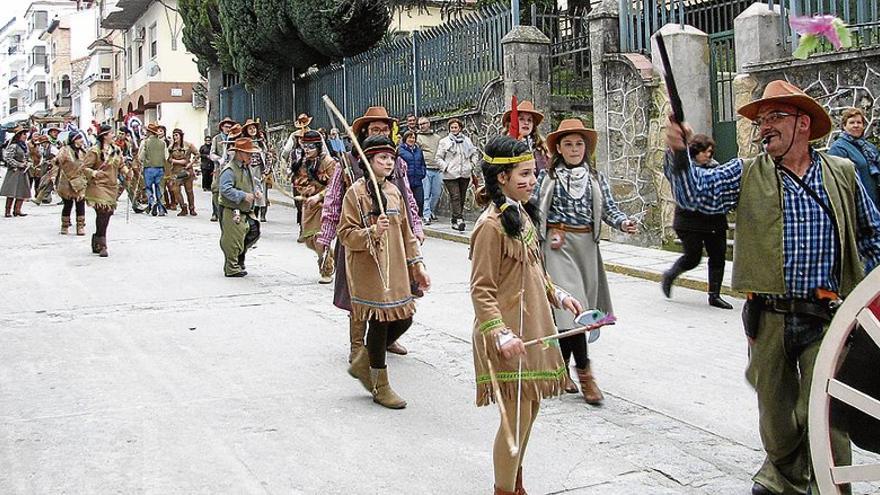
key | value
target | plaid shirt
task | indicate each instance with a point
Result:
(579, 212)
(808, 243)
(332, 209)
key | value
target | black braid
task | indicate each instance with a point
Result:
(504, 147)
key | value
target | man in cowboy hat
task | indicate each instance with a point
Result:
(218, 155)
(810, 235)
(153, 155)
(239, 228)
(374, 122)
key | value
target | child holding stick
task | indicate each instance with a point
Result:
(381, 255)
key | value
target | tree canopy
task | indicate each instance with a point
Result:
(258, 39)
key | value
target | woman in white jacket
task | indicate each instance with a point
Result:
(457, 157)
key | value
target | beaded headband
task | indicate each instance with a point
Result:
(508, 160)
(380, 148)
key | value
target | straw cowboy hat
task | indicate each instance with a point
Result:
(302, 121)
(226, 120)
(786, 93)
(372, 114)
(153, 128)
(524, 106)
(245, 145)
(573, 126)
(250, 122)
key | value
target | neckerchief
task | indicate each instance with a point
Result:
(575, 180)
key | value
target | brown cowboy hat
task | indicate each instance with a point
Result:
(371, 115)
(153, 128)
(524, 106)
(17, 131)
(786, 93)
(234, 131)
(39, 138)
(573, 126)
(302, 121)
(245, 145)
(226, 120)
(250, 122)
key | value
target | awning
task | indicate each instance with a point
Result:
(131, 11)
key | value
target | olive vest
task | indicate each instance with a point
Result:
(242, 181)
(154, 152)
(757, 252)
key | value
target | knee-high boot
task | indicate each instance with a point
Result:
(716, 277)
(356, 330)
(65, 225)
(192, 202)
(17, 211)
(80, 225)
(9, 202)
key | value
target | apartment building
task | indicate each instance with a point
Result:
(13, 90)
(57, 38)
(157, 70)
(37, 17)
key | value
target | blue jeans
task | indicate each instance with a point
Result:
(433, 188)
(153, 183)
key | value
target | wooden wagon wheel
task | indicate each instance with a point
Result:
(862, 307)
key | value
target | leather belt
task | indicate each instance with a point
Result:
(801, 306)
(575, 229)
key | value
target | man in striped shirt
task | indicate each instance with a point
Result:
(805, 229)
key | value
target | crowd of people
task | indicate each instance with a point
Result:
(813, 232)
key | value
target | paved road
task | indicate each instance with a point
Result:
(149, 371)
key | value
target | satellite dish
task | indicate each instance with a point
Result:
(153, 69)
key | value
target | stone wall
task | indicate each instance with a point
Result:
(634, 162)
(838, 80)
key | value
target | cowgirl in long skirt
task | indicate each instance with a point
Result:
(381, 256)
(512, 297)
(574, 199)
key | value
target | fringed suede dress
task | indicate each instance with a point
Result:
(367, 255)
(503, 266)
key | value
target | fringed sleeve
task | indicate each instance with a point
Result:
(351, 232)
(486, 256)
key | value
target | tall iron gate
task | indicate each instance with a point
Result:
(570, 67)
(722, 70)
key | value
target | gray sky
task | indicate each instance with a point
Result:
(12, 8)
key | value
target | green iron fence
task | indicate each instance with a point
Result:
(442, 69)
(722, 70)
(569, 34)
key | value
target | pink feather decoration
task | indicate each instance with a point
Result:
(820, 25)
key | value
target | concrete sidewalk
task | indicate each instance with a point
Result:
(626, 259)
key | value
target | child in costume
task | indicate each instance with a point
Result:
(512, 297)
(382, 254)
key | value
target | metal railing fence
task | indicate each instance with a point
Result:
(569, 34)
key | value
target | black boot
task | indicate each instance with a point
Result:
(716, 276)
(669, 277)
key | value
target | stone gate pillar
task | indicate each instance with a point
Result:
(689, 57)
(604, 39)
(527, 69)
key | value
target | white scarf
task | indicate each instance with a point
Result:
(575, 181)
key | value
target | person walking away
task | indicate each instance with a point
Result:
(812, 234)
(416, 170)
(432, 184)
(72, 181)
(337, 145)
(851, 143)
(574, 199)
(239, 228)
(456, 156)
(310, 178)
(16, 185)
(696, 230)
(182, 155)
(528, 120)
(512, 298)
(382, 255)
(102, 165)
(206, 164)
(153, 154)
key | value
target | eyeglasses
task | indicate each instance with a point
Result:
(772, 118)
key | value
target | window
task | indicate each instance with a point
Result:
(65, 86)
(140, 56)
(154, 43)
(128, 59)
(38, 56)
(38, 21)
(40, 89)
(117, 64)
(13, 105)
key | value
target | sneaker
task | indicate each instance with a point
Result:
(427, 221)
(460, 226)
(213, 218)
(154, 210)
(326, 279)
(433, 217)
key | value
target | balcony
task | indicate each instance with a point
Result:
(13, 79)
(14, 109)
(101, 90)
(62, 102)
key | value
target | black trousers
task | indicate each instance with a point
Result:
(102, 220)
(69, 206)
(207, 178)
(692, 242)
(381, 334)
